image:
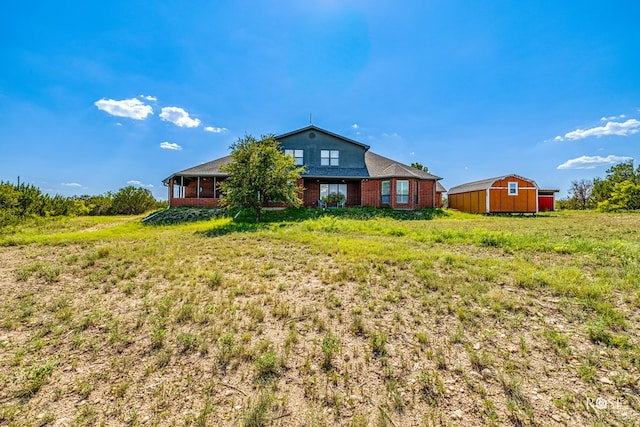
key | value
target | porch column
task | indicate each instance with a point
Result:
(198, 190)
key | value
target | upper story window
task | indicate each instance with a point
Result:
(329, 157)
(298, 155)
(512, 189)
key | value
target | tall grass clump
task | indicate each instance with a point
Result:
(268, 366)
(330, 347)
(34, 379)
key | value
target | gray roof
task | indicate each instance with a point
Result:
(382, 167)
(440, 188)
(483, 184)
(211, 169)
(377, 166)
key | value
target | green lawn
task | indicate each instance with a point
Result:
(322, 319)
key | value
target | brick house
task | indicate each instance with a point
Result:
(335, 164)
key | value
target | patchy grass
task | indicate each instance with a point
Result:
(337, 317)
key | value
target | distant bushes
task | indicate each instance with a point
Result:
(23, 201)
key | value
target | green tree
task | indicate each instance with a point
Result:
(31, 201)
(625, 195)
(603, 187)
(9, 196)
(132, 200)
(96, 205)
(259, 173)
(420, 166)
(9, 204)
(619, 190)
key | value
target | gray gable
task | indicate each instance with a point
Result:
(314, 129)
(313, 141)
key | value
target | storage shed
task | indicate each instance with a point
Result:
(547, 200)
(504, 194)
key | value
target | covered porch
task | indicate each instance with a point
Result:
(197, 191)
(316, 189)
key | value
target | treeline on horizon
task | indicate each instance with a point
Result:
(19, 202)
(618, 191)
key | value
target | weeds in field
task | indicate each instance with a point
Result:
(431, 386)
(330, 346)
(258, 414)
(34, 378)
(268, 366)
(190, 343)
(378, 342)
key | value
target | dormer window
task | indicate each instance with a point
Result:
(329, 157)
(298, 155)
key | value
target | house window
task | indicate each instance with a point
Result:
(415, 193)
(298, 155)
(512, 189)
(329, 157)
(385, 192)
(402, 192)
(326, 189)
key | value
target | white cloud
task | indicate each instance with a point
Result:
(139, 184)
(608, 119)
(178, 117)
(590, 162)
(630, 127)
(391, 135)
(132, 108)
(149, 97)
(355, 126)
(214, 129)
(170, 146)
(71, 184)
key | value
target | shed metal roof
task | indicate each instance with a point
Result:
(483, 184)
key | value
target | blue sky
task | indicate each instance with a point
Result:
(98, 95)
